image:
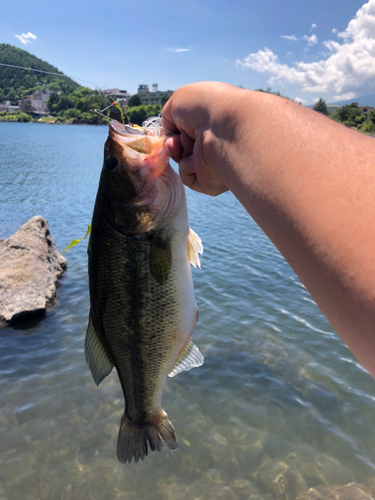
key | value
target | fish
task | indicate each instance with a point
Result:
(142, 303)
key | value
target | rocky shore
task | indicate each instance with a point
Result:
(30, 267)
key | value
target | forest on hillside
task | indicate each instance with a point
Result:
(69, 102)
(16, 83)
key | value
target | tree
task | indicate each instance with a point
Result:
(54, 98)
(321, 107)
(164, 99)
(64, 103)
(12, 97)
(134, 101)
(16, 78)
(367, 126)
(348, 113)
(269, 91)
(83, 104)
(54, 87)
(138, 114)
(359, 119)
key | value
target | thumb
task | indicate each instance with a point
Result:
(174, 147)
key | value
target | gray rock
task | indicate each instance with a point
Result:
(351, 491)
(30, 267)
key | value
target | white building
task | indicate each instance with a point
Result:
(38, 102)
(333, 107)
(8, 107)
(116, 93)
(154, 97)
(366, 110)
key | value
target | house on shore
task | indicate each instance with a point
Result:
(366, 110)
(116, 93)
(333, 107)
(36, 103)
(153, 97)
(8, 107)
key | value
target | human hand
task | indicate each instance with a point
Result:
(196, 111)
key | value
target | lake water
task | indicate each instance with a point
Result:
(279, 406)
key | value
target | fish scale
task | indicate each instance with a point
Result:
(143, 308)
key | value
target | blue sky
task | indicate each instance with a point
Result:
(289, 46)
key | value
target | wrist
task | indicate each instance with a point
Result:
(223, 131)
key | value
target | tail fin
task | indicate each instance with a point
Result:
(135, 437)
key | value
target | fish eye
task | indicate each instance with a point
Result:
(111, 162)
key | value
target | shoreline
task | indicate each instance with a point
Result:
(368, 134)
(53, 123)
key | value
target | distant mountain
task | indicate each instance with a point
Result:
(365, 100)
(16, 83)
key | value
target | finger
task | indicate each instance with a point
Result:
(188, 175)
(167, 121)
(174, 147)
(187, 144)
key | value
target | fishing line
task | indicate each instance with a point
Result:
(50, 73)
(105, 116)
(65, 76)
(150, 123)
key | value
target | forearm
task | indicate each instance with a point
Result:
(310, 185)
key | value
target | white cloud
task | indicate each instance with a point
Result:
(331, 45)
(292, 38)
(299, 100)
(316, 99)
(334, 30)
(349, 65)
(288, 54)
(178, 50)
(313, 26)
(344, 97)
(311, 40)
(363, 25)
(26, 38)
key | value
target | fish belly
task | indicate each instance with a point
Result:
(144, 323)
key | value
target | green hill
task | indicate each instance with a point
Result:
(68, 101)
(16, 83)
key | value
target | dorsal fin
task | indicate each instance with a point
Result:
(194, 248)
(190, 357)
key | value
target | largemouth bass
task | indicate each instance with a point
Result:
(143, 308)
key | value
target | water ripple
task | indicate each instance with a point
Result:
(279, 400)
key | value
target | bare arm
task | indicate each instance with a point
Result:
(308, 182)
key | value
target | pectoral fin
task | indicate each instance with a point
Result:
(190, 357)
(195, 247)
(160, 257)
(96, 356)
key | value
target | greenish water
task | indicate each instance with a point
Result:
(279, 406)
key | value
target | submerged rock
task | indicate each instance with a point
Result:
(351, 491)
(30, 267)
(280, 480)
(295, 473)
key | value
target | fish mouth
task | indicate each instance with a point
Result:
(126, 129)
(146, 157)
(141, 147)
